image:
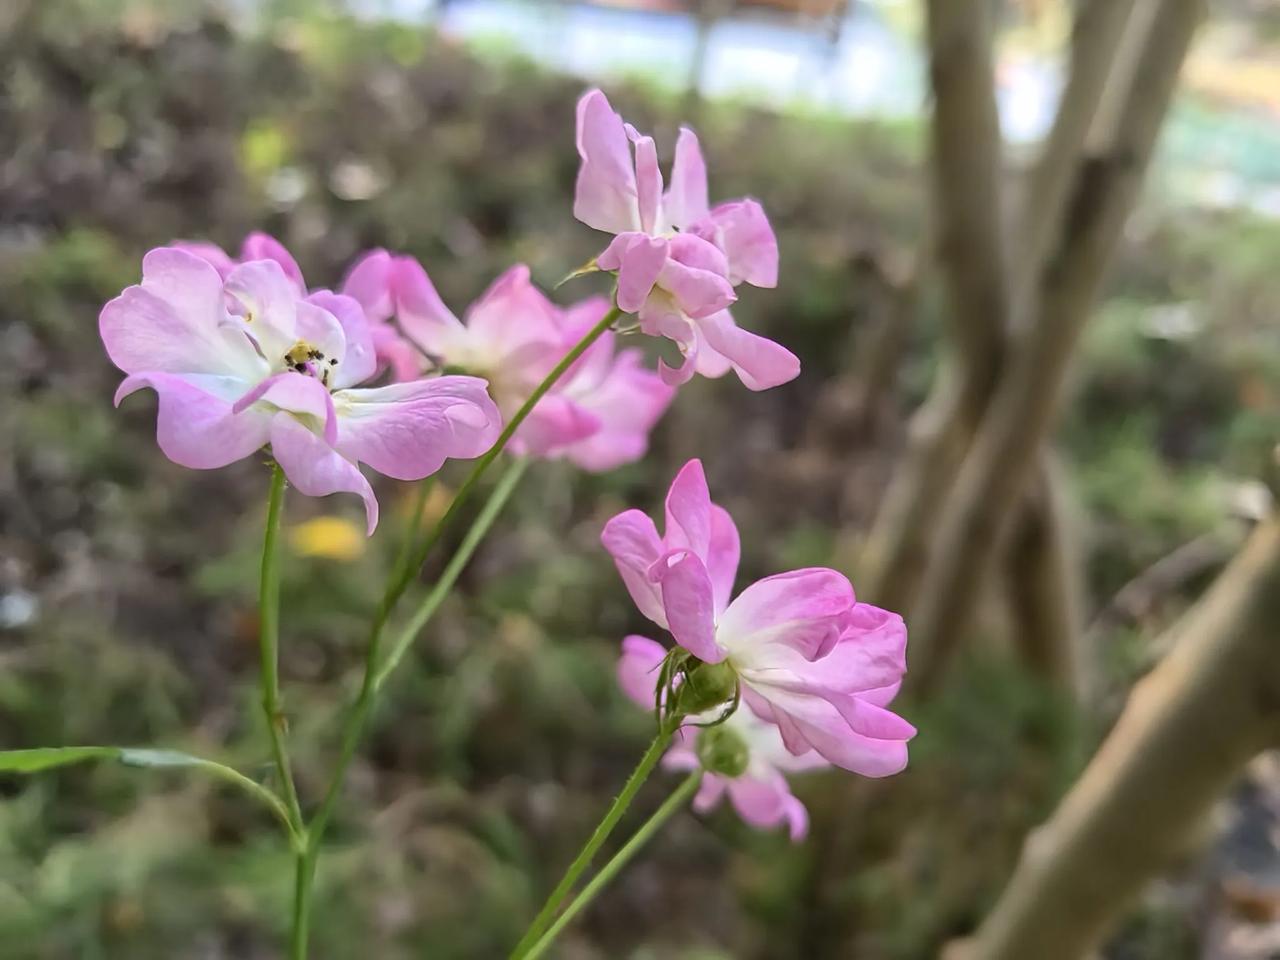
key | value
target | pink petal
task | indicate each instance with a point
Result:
(633, 542)
(195, 425)
(648, 179)
(803, 609)
(175, 322)
(690, 607)
(555, 423)
(422, 314)
(760, 801)
(359, 359)
(513, 313)
(369, 284)
(639, 260)
(723, 553)
(759, 362)
(710, 792)
(688, 511)
(694, 275)
(210, 253)
(267, 299)
(797, 818)
(392, 350)
(315, 468)
(811, 722)
(638, 669)
(628, 402)
(686, 199)
(296, 393)
(263, 246)
(741, 229)
(407, 430)
(605, 197)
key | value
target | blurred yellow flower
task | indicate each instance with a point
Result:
(331, 537)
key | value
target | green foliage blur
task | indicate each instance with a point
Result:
(127, 584)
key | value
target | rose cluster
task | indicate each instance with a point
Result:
(244, 355)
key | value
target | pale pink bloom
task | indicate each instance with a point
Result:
(367, 282)
(760, 794)
(598, 415)
(246, 361)
(677, 260)
(808, 657)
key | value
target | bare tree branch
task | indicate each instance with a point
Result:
(1003, 455)
(1189, 728)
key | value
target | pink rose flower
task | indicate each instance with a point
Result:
(245, 361)
(807, 656)
(677, 260)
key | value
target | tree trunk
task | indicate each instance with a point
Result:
(1004, 453)
(1189, 728)
(1041, 576)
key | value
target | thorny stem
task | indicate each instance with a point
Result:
(620, 859)
(374, 676)
(547, 914)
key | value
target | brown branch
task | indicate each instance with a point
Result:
(1003, 455)
(1041, 573)
(1189, 728)
(966, 173)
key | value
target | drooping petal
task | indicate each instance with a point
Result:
(639, 260)
(648, 180)
(686, 199)
(759, 362)
(195, 424)
(407, 430)
(422, 314)
(688, 511)
(638, 669)
(263, 246)
(660, 316)
(267, 300)
(369, 283)
(605, 197)
(806, 722)
(175, 323)
(689, 604)
(359, 360)
(633, 542)
(723, 553)
(710, 792)
(760, 801)
(742, 231)
(315, 468)
(802, 609)
(797, 818)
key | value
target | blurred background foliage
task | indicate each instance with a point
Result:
(127, 585)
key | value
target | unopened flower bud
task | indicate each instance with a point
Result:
(706, 686)
(722, 750)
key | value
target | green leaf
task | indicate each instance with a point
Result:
(134, 757)
(32, 761)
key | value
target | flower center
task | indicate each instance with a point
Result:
(306, 359)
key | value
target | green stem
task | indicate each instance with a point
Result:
(638, 776)
(426, 610)
(620, 859)
(303, 875)
(269, 648)
(373, 676)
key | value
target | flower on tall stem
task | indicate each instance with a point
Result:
(744, 757)
(246, 360)
(802, 652)
(677, 259)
